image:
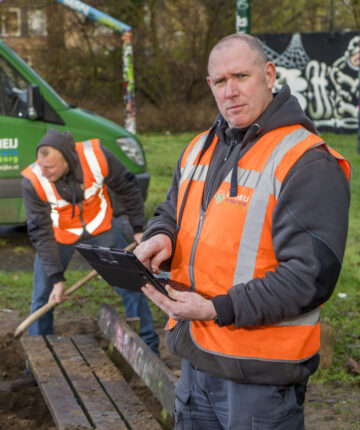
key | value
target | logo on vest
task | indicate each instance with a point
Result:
(219, 196)
(239, 200)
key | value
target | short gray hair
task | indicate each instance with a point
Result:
(253, 43)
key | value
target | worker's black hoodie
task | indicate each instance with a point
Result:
(70, 188)
(309, 230)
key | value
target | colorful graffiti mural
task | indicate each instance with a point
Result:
(322, 70)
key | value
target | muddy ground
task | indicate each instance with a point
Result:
(328, 406)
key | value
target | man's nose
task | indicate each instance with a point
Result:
(231, 88)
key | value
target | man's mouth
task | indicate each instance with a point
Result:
(235, 107)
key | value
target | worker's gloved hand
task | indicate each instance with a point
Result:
(57, 293)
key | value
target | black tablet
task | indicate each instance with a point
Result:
(119, 268)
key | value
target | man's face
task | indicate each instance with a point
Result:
(53, 166)
(241, 85)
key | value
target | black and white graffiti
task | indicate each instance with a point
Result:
(322, 70)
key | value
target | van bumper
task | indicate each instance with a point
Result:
(143, 180)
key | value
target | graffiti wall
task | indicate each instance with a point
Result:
(322, 70)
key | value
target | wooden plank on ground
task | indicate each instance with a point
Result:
(154, 373)
(128, 404)
(103, 415)
(64, 408)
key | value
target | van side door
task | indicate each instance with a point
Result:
(18, 139)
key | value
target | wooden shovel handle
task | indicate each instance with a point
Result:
(46, 308)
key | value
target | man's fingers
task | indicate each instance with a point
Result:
(162, 301)
(57, 299)
(173, 294)
(62, 300)
(156, 261)
(154, 251)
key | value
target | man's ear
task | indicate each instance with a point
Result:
(208, 80)
(270, 74)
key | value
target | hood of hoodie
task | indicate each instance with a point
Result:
(283, 110)
(69, 186)
(63, 142)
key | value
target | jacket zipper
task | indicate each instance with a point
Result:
(202, 216)
(196, 240)
(193, 250)
(219, 166)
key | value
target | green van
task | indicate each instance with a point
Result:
(28, 108)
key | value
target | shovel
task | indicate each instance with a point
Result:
(46, 308)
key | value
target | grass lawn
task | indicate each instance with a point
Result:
(342, 310)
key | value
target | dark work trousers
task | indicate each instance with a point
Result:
(205, 402)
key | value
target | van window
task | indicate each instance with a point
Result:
(13, 89)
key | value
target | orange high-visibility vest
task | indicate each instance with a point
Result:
(94, 213)
(232, 243)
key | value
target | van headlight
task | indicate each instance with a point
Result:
(132, 149)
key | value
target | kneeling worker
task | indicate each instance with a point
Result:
(66, 200)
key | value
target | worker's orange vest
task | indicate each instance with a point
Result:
(94, 213)
(232, 243)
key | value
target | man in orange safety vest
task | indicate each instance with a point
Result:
(256, 221)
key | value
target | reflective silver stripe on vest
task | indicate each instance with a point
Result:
(55, 203)
(264, 187)
(310, 318)
(95, 169)
(49, 191)
(94, 224)
(97, 186)
(245, 357)
(188, 169)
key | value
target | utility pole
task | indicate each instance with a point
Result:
(243, 16)
(128, 70)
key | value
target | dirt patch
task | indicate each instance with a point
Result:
(18, 410)
(327, 406)
(26, 409)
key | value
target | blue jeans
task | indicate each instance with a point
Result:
(136, 304)
(205, 402)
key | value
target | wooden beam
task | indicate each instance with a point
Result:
(153, 372)
(130, 407)
(102, 413)
(63, 406)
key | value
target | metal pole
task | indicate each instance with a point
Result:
(94, 14)
(243, 16)
(129, 83)
(128, 70)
